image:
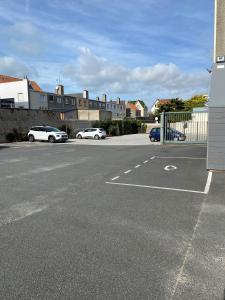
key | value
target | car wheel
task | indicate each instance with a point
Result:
(96, 137)
(31, 138)
(79, 136)
(51, 139)
(152, 139)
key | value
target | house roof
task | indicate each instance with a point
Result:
(140, 101)
(131, 105)
(6, 78)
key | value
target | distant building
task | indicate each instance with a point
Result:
(24, 93)
(117, 107)
(14, 92)
(158, 102)
(132, 111)
(139, 106)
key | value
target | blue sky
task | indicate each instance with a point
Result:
(144, 49)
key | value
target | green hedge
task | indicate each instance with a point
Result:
(121, 127)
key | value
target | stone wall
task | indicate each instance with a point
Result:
(23, 119)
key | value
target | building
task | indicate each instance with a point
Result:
(132, 111)
(141, 108)
(117, 107)
(158, 102)
(15, 92)
(216, 127)
(219, 29)
(24, 93)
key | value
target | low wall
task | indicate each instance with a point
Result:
(23, 119)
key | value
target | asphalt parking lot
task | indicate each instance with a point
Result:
(115, 222)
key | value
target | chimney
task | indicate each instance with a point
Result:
(104, 98)
(97, 98)
(59, 90)
(118, 100)
(85, 94)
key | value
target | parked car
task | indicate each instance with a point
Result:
(47, 133)
(93, 133)
(171, 134)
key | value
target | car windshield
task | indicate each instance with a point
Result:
(52, 129)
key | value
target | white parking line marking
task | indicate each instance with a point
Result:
(156, 187)
(208, 182)
(180, 157)
(170, 168)
(115, 178)
(137, 166)
(128, 171)
(145, 162)
(153, 157)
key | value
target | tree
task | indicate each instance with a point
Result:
(196, 101)
(171, 106)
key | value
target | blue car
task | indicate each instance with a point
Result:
(170, 135)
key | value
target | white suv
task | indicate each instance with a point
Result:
(94, 133)
(47, 133)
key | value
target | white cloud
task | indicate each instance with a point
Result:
(161, 80)
(13, 67)
(26, 38)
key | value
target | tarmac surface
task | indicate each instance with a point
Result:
(115, 222)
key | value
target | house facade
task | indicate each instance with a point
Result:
(136, 109)
(118, 108)
(15, 92)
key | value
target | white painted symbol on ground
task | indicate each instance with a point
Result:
(170, 168)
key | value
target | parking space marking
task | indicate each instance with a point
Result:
(145, 162)
(137, 166)
(114, 178)
(153, 157)
(156, 187)
(179, 157)
(128, 171)
(208, 182)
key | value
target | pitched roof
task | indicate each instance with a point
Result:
(142, 104)
(6, 78)
(163, 101)
(131, 105)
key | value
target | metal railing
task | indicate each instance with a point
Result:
(184, 127)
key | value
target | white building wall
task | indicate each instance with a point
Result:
(18, 90)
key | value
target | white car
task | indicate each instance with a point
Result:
(93, 133)
(47, 133)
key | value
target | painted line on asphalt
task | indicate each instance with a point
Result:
(179, 157)
(153, 157)
(208, 182)
(145, 162)
(155, 187)
(137, 166)
(128, 171)
(114, 178)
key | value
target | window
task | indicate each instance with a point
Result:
(20, 97)
(51, 98)
(67, 101)
(80, 102)
(59, 100)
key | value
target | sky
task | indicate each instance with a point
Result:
(145, 49)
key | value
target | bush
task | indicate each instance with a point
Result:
(121, 127)
(67, 129)
(16, 135)
(10, 137)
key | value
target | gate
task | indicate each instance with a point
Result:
(184, 127)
